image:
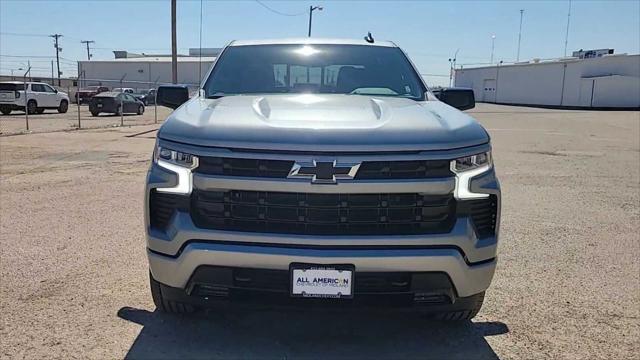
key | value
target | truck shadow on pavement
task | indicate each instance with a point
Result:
(299, 334)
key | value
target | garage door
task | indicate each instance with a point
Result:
(489, 90)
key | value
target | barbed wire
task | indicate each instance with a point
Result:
(279, 12)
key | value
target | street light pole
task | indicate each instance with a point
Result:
(493, 43)
(452, 66)
(174, 44)
(566, 37)
(311, 9)
(520, 35)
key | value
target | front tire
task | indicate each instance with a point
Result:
(32, 107)
(140, 110)
(5, 110)
(167, 306)
(119, 110)
(95, 113)
(465, 314)
(63, 107)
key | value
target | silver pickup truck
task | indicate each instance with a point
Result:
(321, 172)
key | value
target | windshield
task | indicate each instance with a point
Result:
(315, 69)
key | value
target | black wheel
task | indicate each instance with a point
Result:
(95, 113)
(164, 305)
(39, 110)
(5, 110)
(140, 109)
(464, 314)
(63, 107)
(119, 110)
(32, 106)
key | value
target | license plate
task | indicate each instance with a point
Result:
(99, 105)
(322, 281)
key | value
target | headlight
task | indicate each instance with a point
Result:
(472, 162)
(465, 169)
(179, 163)
(175, 157)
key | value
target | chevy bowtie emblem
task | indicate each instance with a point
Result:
(324, 172)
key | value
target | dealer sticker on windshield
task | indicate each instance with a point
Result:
(319, 281)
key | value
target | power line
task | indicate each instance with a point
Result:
(28, 56)
(279, 12)
(23, 34)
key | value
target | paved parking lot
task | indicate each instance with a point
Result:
(74, 273)
(51, 120)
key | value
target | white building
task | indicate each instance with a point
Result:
(142, 71)
(610, 81)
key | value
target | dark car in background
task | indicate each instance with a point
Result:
(115, 103)
(148, 97)
(83, 96)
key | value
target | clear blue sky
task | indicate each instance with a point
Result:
(429, 31)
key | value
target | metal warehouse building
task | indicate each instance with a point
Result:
(141, 71)
(610, 81)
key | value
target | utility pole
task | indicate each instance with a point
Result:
(174, 44)
(52, 73)
(58, 50)
(311, 9)
(566, 37)
(520, 35)
(88, 42)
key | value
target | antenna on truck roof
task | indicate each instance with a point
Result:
(369, 38)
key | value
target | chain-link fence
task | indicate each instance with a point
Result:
(93, 103)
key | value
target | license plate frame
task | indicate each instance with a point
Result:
(337, 270)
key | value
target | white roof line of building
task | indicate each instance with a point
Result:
(151, 59)
(541, 62)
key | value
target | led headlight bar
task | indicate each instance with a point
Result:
(180, 163)
(465, 169)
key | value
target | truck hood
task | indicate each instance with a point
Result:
(311, 122)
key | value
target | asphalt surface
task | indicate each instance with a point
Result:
(74, 272)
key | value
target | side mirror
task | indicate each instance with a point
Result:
(459, 98)
(172, 96)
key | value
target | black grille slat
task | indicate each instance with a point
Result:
(244, 167)
(483, 212)
(323, 214)
(369, 170)
(162, 206)
(415, 169)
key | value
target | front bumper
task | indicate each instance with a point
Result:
(177, 271)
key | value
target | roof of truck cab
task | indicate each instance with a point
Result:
(303, 41)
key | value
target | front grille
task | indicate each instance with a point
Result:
(483, 212)
(369, 170)
(323, 214)
(244, 167)
(422, 169)
(162, 206)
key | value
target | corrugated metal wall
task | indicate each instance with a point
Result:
(610, 81)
